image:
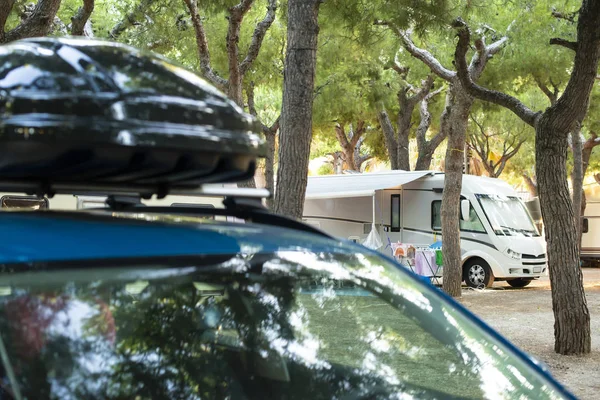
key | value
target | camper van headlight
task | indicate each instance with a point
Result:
(513, 254)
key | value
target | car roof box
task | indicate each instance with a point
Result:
(86, 112)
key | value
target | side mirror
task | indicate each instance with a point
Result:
(465, 208)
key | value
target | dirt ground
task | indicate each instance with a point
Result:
(524, 316)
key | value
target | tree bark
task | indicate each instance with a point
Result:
(235, 80)
(359, 158)
(202, 45)
(390, 138)
(296, 114)
(403, 125)
(457, 127)
(350, 143)
(38, 23)
(79, 20)
(531, 185)
(427, 148)
(337, 162)
(572, 319)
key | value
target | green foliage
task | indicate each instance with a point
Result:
(354, 80)
(325, 169)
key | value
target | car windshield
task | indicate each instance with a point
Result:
(507, 215)
(292, 325)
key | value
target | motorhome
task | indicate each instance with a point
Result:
(499, 239)
(590, 238)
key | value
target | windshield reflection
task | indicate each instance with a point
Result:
(290, 325)
(507, 215)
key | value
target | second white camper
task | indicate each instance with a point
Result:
(499, 240)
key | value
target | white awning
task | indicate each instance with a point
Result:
(359, 185)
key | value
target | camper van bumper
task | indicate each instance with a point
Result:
(507, 268)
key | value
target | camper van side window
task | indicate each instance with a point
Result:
(473, 225)
(395, 213)
(436, 215)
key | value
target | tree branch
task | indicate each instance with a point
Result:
(79, 20)
(592, 141)
(130, 19)
(421, 54)
(389, 135)
(492, 96)
(566, 16)
(38, 23)
(202, 44)
(236, 16)
(552, 95)
(341, 136)
(402, 71)
(564, 43)
(358, 134)
(482, 54)
(425, 122)
(257, 37)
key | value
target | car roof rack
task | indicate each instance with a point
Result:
(241, 203)
(98, 118)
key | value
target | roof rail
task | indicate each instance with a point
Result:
(42, 189)
(241, 205)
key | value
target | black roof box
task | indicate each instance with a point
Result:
(93, 112)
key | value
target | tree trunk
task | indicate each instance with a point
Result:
(389, 135)
(404, 119)
(346, 145)
(38, 23)
(427, 148)
(80, 19)
(572, 318)
(450, 213)
(338, 163)
(296, 115)
(531, 185)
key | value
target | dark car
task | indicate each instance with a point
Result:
(137, 302)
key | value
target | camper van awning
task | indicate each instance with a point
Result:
(358, 185)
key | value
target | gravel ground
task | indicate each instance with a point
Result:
(525, 317)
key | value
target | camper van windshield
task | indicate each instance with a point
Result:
(507, 215)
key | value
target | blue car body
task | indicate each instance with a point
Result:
(39, 240)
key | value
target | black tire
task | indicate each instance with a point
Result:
(477, 273)
(519, 282)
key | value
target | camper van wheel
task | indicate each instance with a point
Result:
(519, 282)
(477, 273)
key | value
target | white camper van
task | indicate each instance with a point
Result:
(499, 238)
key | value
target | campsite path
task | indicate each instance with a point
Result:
(525, 317)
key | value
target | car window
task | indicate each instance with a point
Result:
(472, 225)
(290, 325)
